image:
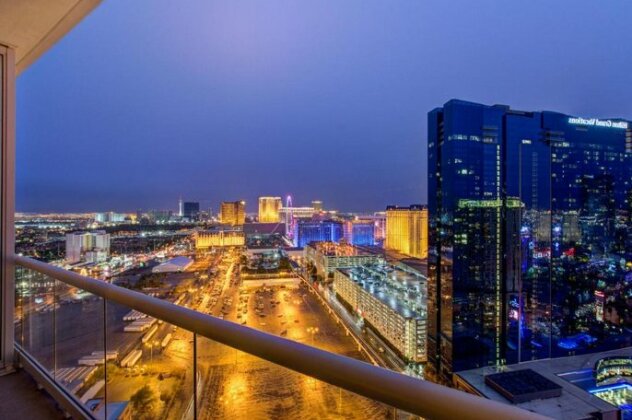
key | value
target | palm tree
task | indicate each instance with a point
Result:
(144, 403)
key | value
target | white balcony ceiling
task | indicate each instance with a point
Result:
(32, 26)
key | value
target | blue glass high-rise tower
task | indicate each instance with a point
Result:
(530, 216)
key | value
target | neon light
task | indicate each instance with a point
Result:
(609, 388)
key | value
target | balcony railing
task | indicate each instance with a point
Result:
(70, 335)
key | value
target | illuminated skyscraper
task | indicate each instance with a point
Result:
(233, 212)
(180, 207)
(407, 230)
(528, 215)
(487, 262)
(269, 209)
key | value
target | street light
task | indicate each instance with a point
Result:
(151, 345)
(312, 330)
(151, 352)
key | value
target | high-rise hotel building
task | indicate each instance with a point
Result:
(269, 209)
(87, 247)
(407, 230)
(233, 213)
(530, 216)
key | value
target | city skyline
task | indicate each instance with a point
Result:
(315, 209)
(322, 85)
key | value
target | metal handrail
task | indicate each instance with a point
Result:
(422, 398)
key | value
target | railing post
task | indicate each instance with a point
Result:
(105, 358)
(195, 378)
(7, 207)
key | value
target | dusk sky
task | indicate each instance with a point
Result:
(149, 100)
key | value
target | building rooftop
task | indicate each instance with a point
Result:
(579, 397)
(411, 207)
(333, 249)
(264, 228)
(401, 290)
(180, 261)
(395, 258)
(523, 385)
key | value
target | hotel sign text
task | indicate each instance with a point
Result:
(597, 122)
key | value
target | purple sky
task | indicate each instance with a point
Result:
(147, 100)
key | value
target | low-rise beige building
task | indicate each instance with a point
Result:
(220, 238)
(392, 300)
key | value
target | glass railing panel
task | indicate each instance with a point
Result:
(154, 374)
(35, 326)
(146, 368)
(234, 384)
(80, 352)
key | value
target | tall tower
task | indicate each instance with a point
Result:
(180, 207)
(269, 209)
(466, 299)
(407, 230)
(233, 212)
(522, 208)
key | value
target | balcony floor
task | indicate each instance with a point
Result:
(22, 400)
